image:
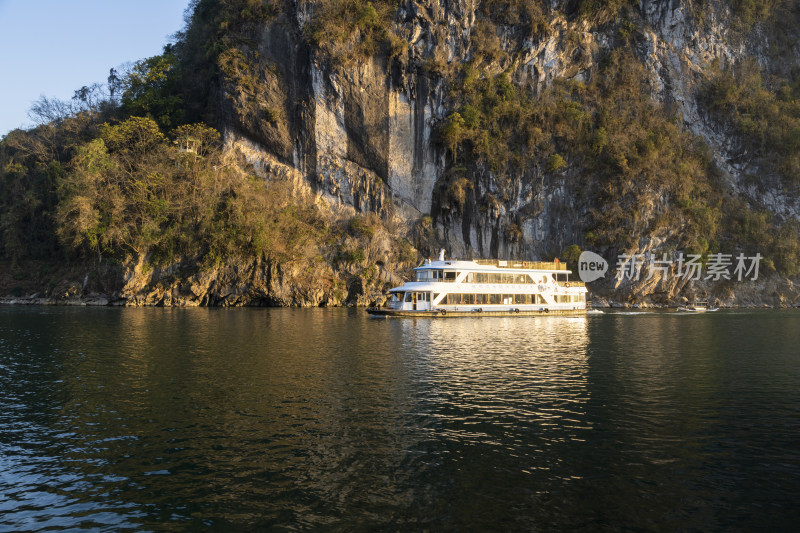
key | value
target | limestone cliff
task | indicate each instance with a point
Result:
(363, 128)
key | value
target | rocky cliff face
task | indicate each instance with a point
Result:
(678, 49)
(361, 128)
(362, 131)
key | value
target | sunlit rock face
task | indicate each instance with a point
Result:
(361, 130)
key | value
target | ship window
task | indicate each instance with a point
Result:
(408, 297)
(481, 299)
(522, 298)
(449, 275)
(481, 277)
(494, 299)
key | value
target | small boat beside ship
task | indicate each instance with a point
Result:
(486, 287)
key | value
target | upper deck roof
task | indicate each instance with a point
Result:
(496, 265)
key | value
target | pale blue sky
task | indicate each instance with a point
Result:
(53, 47)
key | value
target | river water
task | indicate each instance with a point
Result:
(326, 419)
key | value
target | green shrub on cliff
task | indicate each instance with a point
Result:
(751, 11)
(152, 88)
(764, 114)
(529, 15)
(759, 232)
(364, 225)
(347, 29)
(555, 163)
(132, 192)
(602, 10)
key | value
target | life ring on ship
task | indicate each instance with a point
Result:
(546, 310)
(516, 310)
(566, 285)
(479, 310)
(443, 312)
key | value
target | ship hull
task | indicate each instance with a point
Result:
(443, 313)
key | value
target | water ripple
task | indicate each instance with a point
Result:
(190, 420)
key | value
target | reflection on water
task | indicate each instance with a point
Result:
(504, 373)
(154, 419)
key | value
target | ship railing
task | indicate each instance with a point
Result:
(572, 283)
(533, 265)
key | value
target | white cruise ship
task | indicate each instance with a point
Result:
(486, 287)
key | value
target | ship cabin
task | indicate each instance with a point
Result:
(489, 285)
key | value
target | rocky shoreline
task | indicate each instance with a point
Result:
(107, 301)
(246, 283)
(263, 283)
(606, 304)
